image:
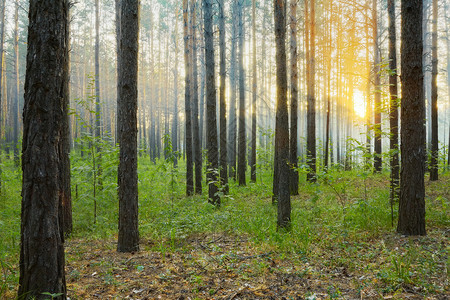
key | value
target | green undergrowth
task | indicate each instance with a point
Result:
(342, 221)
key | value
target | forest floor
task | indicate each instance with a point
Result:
(223, 266)
(342, 245)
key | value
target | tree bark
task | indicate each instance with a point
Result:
(15, 106)
(434, 97)
(2, 36)
(242, 144)
(194, 101)
(293, 182)
(42, 240)
(394, 104)
(377, 82)
(282, 122)
(98, 131)
(254, 87)
(223, 110)
(211, 122)
(311, 114)
(127, 127)
(187, 105)
(232, 133)
(411, 219)
(175, 97)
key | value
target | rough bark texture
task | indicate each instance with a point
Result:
(294, 99)
(447, 26)
(2, 36)
(223, 109)
(242, 144)
(377, 83)
(42, 241)
(393, 110)
(328, 85)
(411, 220)
(232, 133)
(187, 105)
(98, 131)
(282, 122)
(434, 97)
(254, 86)
(211, 122)
(127, 127)
(175, 98)
(311, 110)
(15, 107)
(194, 102)
(65, 195)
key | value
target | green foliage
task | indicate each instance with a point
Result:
(333, 220)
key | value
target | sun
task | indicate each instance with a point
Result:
(359, 104)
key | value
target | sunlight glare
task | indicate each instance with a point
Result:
(359, 103)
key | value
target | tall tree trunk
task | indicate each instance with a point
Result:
(254, 86)
(211, 131)
(394, 104)
(2, 36)
(15, 106)
(242, 144)
(175, 97)
(118, 5)
(368, 92)
(187, 104)
(377, 80)
(293, 182)
(65, 195)
(232, 133)
(42, 240)
(328, 84)
(223, 110)
(411, 219)
(127, 124)
(282, 122)
(98, 131)
(447, 26)
(194, 101)
(434, 97)
(311, 115)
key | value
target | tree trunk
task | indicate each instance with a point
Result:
(377, 79)
(233, 119)
(434, 97)
(175, 97)
(194, 102)
(2, 36)
(15, 106)
(394, 104)
(42, 240)
(328, 86)
(311, 114)
(223, 109)
(187, 104)
(447, 26)
(411, 219)
(242, 144)
(282, 122)
(254, 86)
(293, 182)
(65, 195)
(98, 131)
(127, 127)
(211, 131)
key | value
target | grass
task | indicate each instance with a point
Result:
(343, 223)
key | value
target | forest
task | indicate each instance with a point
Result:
(224, 149)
